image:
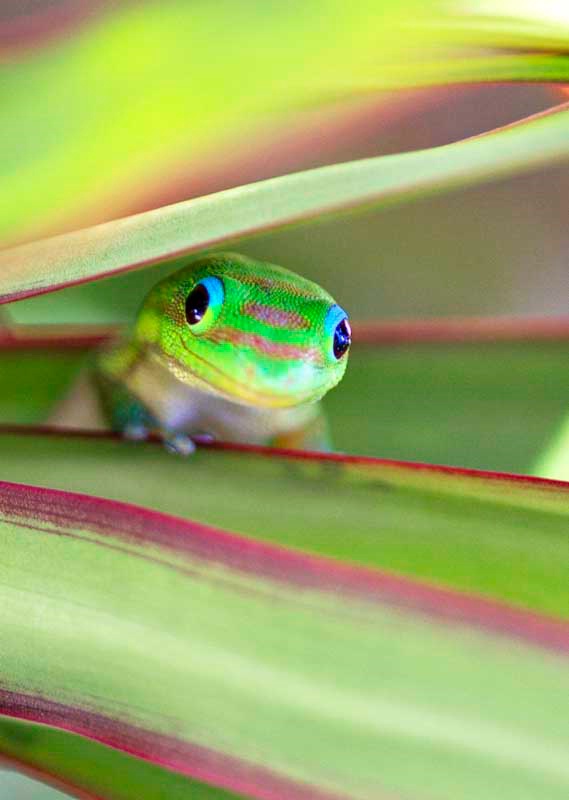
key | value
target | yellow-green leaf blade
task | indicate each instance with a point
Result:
(182, 228)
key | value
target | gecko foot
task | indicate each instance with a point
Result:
(135, 431)
(180, 444)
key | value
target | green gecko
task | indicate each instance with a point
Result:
(230, 348)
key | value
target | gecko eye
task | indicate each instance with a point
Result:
(197, 304)
(342, 338)
(338, 332)
(203, 304)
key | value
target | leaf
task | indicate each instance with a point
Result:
(165, 233)
(146, 89)
(553, 460)
(487, 394)
(275, 673)
(136, 95)
(86, 769)
(435, 524)
(503, 68)
(36, 26)
(533, 25)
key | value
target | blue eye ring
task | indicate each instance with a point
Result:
(338, 332)
(203, 304)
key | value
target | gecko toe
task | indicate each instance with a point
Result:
(135, 432)
(180, 444)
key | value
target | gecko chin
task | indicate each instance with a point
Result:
(245, 395)
(249, 394)
(211, 379)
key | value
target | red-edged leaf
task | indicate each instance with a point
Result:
(276, 673)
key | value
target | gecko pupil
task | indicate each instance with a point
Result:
(197, 303)
(342, 338)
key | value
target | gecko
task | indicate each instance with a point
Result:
(229, 348)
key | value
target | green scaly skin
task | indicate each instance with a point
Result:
(251, 370)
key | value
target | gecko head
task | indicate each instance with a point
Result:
(249, 331)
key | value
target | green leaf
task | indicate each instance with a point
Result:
(553, 459)
(524, 68)
(483, 404)
(472, 535)
(486, 394)
(275, 673)
(171, 231)
(136, 93)
(86, 769)
(144, 89)
(531, 26)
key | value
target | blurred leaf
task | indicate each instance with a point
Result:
(28, 24)
(279, 674)
(553, 459)
(498, 538)
(525, 67)
(535, 25)
(168, 232)
(155, 84)
(33, 382)
(146, 87)
(488, 394)
(480, 404)
(84, 768)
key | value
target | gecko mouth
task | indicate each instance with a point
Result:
(232, 389)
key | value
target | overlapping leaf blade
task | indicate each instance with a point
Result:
(89, 770)
(174, 641)
(482, 535)
(167, 232)
(491, 401)
(208, 74)
(84, 90)
(423, 523)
